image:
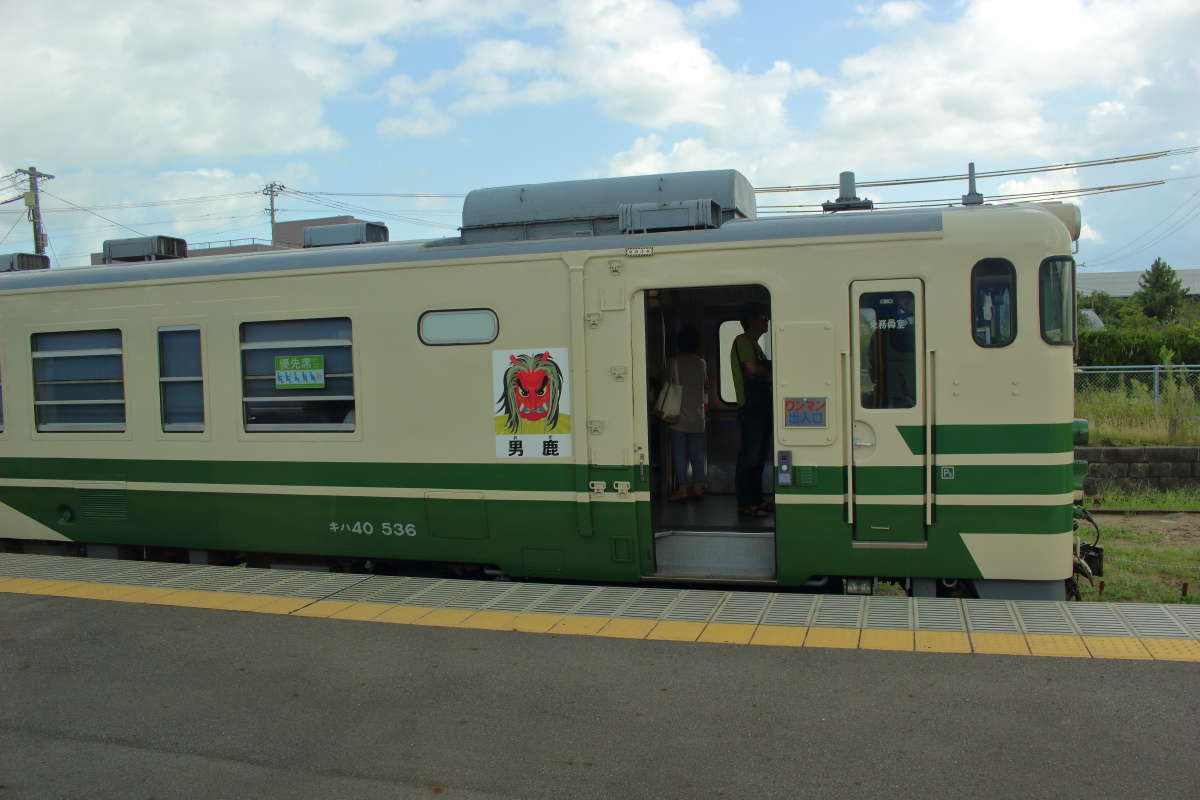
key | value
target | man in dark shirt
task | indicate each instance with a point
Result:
(752, 382)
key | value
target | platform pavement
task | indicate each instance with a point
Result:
(133, 700)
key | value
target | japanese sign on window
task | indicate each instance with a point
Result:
(531, 390)
(300, 372)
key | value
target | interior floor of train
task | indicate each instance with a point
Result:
(707, 539)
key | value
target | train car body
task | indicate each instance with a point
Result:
(488, 400)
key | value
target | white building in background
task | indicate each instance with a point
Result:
(1124, 284)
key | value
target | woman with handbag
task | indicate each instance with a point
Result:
(688, 371)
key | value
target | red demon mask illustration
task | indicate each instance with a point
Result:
(532, 390)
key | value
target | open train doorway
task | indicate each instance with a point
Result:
(711, 477)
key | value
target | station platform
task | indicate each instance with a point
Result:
(1036, 628)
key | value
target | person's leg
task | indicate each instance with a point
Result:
(740, 470)
(766, 443)
(757, 444)
(679, 458)
(696, 455)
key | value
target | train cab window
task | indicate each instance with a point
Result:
(180, 378)
(79, 381)
(888, 354)
(993, 302)
(1056, 297)
(298, 375)
(458, 326)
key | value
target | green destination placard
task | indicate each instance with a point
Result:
(300, 372)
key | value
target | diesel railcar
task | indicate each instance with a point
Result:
(486, 399)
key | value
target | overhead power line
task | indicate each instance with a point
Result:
(1027, 197)
(101, 216)
(825, 187)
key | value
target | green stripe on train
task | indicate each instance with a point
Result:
(1008, 439)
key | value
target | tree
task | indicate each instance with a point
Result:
(1160, 292)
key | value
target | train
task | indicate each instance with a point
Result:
(487, 400)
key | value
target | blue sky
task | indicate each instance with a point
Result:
(158, 101)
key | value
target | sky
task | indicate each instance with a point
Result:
(171, 116)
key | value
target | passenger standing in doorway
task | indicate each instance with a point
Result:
(752, 381)
(688, 444)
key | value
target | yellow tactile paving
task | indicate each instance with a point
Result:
(322, 608)
(68, 588)
(942, 642)
(175, 597)
(780, 635)
(579, 626)
(727, 633)
(403, 614)
(1173, 649)
(283, 605)
(1012, 644)
(110, 591)
(151, 595)
(1044, 644)
(536, 623)
(446, 617)
(832, 637)
(491, 620)
(877, 639)
(676, 631)
(1115, 647)
(627, 628)
(361, 611)
(28, 586)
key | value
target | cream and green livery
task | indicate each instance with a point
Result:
(487, 399)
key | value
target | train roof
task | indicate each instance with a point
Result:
(735, 230)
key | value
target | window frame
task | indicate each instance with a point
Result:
(1070, 314)
(181, 427)
(37, 355)
(448, 311)
(245, 346)
(1015, 305)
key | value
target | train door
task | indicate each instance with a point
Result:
(889, 488)
(698, 532)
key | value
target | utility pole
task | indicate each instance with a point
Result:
(35, 208)
(271, 190)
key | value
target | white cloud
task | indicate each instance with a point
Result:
(713, 9)
(423, 120)
(891, 14)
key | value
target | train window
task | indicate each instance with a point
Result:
(458, 326)
(79, 381)
(180, 378)
(888, 349)
(993, 302)
(297, 375)
(729, 330)
(1056, 297)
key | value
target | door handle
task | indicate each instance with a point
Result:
(860, 443)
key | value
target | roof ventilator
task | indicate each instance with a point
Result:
(144, 248)
(847, 200)
(11, 262)
(348, 233)
(606, 207)
(674, 216)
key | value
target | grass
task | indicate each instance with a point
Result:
(1129, 415)
(1145, 567)
(1116, 499)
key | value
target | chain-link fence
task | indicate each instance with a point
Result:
(1140, 405)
